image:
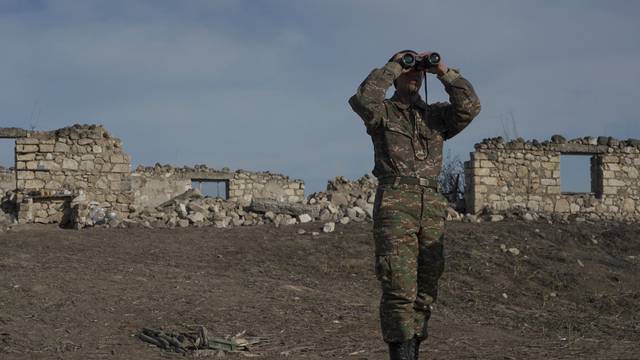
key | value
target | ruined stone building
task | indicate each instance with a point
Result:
(503, 176)
(60, 175)
(60, 172)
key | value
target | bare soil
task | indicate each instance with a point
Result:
(567, 292)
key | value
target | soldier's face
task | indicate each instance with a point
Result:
(409, 82)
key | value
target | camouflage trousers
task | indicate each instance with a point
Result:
(408, 226)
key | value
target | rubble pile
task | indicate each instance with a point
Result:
(524, 214)
(7, 210)
(343, 201)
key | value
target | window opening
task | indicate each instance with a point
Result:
(212, 188)
(577, 174)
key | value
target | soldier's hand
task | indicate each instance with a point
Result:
(398, 56)
(439, 70)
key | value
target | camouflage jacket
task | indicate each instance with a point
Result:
(408, 139)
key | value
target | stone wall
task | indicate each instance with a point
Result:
(503, 176)
(245, 186)
(7, 180)
(155, 185)
(79, 162)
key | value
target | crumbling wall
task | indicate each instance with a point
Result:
(517, 175)
(7, 180)
(80, 162)
(245, 186)
(344, 201)
(155, 185)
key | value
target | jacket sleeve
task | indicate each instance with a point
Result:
(464, 104)
(368, 102)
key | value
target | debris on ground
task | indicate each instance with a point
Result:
(198, 340)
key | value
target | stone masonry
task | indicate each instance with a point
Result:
(160, 183)
(81, 176)
(64, 175)
(505, 176)
(7, 180)
(54, 167)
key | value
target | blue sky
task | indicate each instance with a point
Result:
(263, 85)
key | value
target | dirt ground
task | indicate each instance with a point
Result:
(567, 292)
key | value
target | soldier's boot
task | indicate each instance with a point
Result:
(416, 348)
(423, 335)
(402, 350)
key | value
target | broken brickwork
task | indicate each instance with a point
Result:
(80, 173)
(7, 180)
(155, 185)
(54, 167)
(504, 176)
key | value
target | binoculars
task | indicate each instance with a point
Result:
(410, 60)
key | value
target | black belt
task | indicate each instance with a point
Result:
(409, 180)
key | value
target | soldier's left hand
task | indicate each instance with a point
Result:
(439, 70)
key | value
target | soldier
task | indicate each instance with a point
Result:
(409, 212)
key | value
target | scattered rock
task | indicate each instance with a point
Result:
(558, 139)
(195, 218)
(305, 218)
(470, 218)
(453, 215)
(329, 227)
(338, 199)
(294, 209)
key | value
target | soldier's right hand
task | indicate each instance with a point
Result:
(396, 58)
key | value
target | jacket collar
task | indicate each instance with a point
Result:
(395, 99)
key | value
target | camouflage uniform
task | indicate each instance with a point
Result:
(409, 218)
